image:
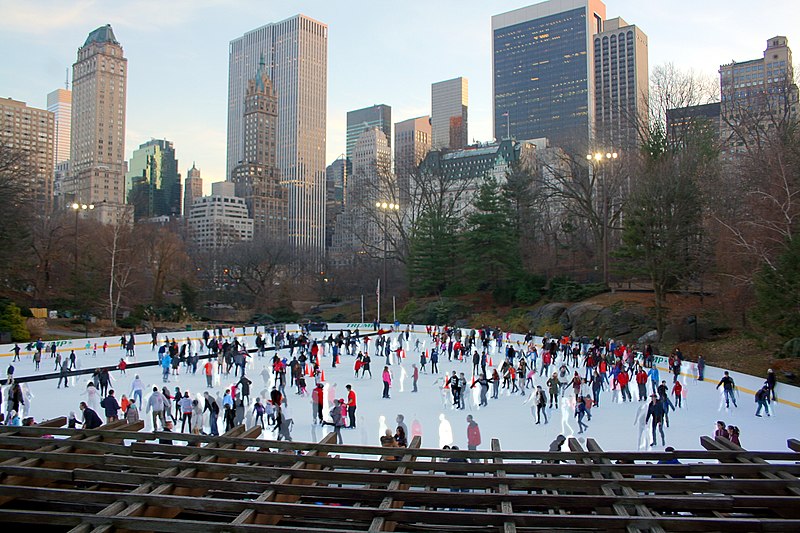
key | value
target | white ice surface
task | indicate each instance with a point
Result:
(613, 425)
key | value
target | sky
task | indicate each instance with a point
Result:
(378, 53)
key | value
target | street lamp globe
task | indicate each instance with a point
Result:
(75, 206)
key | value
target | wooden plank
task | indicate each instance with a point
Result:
(379, 523)
(641, 510)
(119, 508)
(407, 516)
(505, 506)
(250, 516)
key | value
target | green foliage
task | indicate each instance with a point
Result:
(130, 322)
(433, 245)
(565, 289)
(408, 313)
(791, 348)
(11, 320)
(529, 288)
(441, 311)
(491, 251)
(777, 289)
(285, 314)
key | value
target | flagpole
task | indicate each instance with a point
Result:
(508, 126)
(362, 308)
(378, 293)
(394, 310)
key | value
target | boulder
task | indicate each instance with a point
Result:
(546, 314)
(649, 337)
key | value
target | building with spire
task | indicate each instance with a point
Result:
(296, 55)
(153, 182)
(193, 189)
(97, 143)
(256, 177)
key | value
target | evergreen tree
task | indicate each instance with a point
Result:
(491, 251)
(12, 321)
(662, 222)
(433, 262)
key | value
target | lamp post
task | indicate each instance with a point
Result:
(386, 207)
(599, 158)
(78, 208)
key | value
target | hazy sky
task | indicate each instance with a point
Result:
(378, 52)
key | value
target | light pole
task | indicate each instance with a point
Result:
(386, 207)
(600, 158)
(78, 208)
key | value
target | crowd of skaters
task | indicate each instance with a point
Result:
(547, 369)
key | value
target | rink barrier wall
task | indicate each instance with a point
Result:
(745, 383)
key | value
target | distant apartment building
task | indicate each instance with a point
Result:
(684, 121)
(463, 171)
(621, 85)
(356, 231)
(257, 178)
(295, 51)
(193, 189)
(97, 143)
(449, 110)
(221, 219)
(30, 131)
(758, 94)
(153, 182)
(412, 142)
(358, 121)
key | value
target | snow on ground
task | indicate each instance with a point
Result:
(430, 412)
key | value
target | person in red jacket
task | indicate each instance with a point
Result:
(317, 399)
(641, 381)
(351, 405)
(677, 390)
(473, 434)
(623, 379)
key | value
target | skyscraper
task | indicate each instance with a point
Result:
(358, 121)
(193, 188)
(620, 85)
(543, 76)
(412, 142)
(97, 145)
(30, 130)
(59, 102)
(449, 102)
(256, 177)
(336, 175)
(295, 51)
(153, 182)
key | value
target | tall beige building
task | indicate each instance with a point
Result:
(412, 142)
(59, 102)
(621, 85)
(757, 94)
(97, 147)
(296, 55)
(449, 103)
(31, 131)
(192, 189)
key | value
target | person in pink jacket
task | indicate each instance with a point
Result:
(387, 381)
